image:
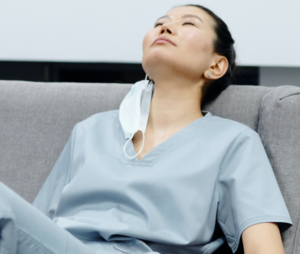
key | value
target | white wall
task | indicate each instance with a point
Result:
(265, 31)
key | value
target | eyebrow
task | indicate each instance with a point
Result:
(184, 16)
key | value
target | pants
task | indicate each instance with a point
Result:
(26, 230)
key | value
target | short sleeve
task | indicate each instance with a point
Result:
(48, 197)
(248, 189)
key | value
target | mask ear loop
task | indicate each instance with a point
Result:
(140, 149)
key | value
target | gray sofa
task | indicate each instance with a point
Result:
(36, 120)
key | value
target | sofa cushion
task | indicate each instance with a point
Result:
(240, 103)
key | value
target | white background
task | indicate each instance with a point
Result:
(266, 32)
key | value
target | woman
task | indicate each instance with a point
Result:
(162, 175)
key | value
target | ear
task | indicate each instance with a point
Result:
(217, 69)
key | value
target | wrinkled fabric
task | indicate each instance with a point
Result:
(190, 194)
(25, 230)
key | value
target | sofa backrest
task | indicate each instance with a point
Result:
(36, 120)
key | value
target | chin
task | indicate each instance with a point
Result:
(157, 60)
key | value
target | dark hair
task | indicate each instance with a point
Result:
(223, 45)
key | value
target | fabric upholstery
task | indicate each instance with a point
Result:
(239, 103)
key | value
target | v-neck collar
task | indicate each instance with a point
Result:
(160, 150)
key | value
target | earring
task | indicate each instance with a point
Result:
(146, 76)
(209, 74)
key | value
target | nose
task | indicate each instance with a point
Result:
(165, 29)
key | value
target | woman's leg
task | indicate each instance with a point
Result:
(26, 230)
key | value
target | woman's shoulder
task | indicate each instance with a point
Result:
(101, 119)
(228, 126)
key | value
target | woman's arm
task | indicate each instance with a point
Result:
(49, 195)
(262, 238)
(250, 199)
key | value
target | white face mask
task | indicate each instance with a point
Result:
(134, 111)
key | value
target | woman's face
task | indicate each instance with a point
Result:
(191, 31)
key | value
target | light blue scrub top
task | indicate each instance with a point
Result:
(201, 187)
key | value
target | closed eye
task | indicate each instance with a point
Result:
(157, 24)
(188, 23)
(183, 24)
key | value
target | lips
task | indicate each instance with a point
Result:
(163, 39)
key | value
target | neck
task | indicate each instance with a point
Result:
(175, 104)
